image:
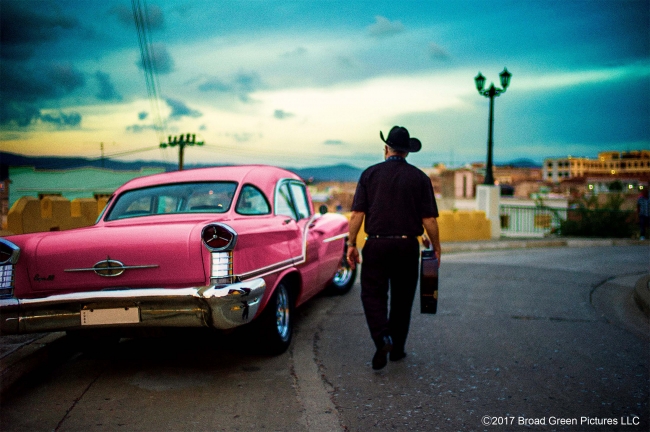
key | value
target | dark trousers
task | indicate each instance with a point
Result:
(394, 264)
(643, 223)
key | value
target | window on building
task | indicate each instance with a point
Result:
(99, 196)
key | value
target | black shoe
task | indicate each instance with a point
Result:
(379, 360)
(397, 355)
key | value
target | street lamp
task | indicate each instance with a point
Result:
(491, 93)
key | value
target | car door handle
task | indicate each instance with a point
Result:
(287, 221)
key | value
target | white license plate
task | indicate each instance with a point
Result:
(110, 316)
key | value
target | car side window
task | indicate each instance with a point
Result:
(252, 202)
(283, 202)
(141, 205)
(167, 204)
(300, 200)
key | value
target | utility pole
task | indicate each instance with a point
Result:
(181, 141)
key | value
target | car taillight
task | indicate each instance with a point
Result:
(219, 237)
(9, 254)
(221, 268)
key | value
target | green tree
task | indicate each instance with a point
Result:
(615, 186)
(591, 219)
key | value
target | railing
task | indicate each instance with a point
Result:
(530, 221)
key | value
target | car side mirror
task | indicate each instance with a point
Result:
(322, 209)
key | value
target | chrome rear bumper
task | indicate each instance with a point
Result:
(220, 307)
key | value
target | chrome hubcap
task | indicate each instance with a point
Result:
(342, 276)
(282, 313)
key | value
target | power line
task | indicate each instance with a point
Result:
(233, 150)
(142, 24)
(129, 152)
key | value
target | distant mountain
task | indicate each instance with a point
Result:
(342, 172)
(318, 174)
(62, 163)
(521, 163)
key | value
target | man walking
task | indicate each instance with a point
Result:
(643, 211)
(396, 200)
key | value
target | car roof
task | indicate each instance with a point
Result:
(264, 176)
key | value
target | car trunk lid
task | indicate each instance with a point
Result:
(120, 256)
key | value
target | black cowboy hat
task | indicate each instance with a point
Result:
(400, 140)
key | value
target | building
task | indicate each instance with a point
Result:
(458, 183)
(512, 176)
(610, 165)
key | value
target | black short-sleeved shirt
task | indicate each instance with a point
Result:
(395, 196)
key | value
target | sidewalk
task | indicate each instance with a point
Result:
(21, 354)
(524, 243)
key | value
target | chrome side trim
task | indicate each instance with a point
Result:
(303, 258)
(283, 265)
(338, 237)
(122, 267)
(273, 268)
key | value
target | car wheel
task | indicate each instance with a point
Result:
(276, 321)
(343, 279)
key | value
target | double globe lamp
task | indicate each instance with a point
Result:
(491, 93)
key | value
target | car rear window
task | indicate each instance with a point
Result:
(204, 197)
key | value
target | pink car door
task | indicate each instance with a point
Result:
(291, 201)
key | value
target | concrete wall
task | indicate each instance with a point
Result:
(52, 213)
(464, 225)
(455, 226)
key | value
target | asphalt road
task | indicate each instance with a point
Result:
(533, 339)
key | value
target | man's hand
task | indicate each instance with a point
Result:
(353, 257)
(431, 227)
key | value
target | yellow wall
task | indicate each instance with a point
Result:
(52, 213)
(55, 213)
(454, 226)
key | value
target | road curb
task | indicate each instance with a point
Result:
(527, 243)
(642, 294)
(29, 357)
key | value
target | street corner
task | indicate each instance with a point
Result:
(642, 294)
(22, 354)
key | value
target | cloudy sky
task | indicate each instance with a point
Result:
(303, 83)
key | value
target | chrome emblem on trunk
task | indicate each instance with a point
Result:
(110, 268)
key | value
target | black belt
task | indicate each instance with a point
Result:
(389, 237)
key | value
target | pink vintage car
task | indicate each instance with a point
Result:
(214, 247)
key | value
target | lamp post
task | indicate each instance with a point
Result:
(181, 141)
(491, 93)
